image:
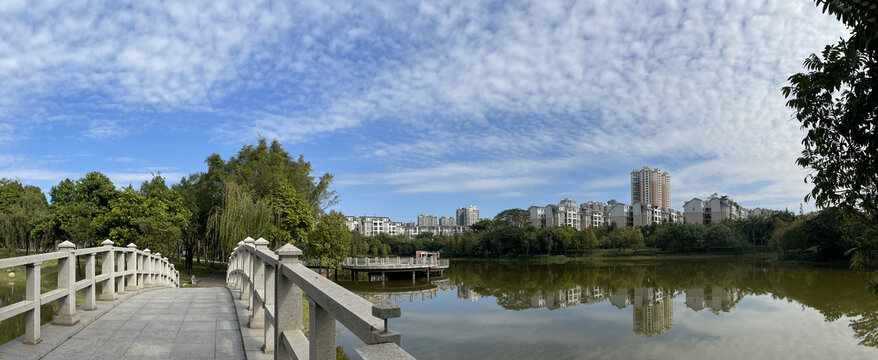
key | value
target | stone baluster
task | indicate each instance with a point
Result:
(321, 341)
(90, 303)
(166, 271)
(120, 268)
(66, 279)
(288, 300)
(159, 269)
(108, 288)
(247, 288)
(257, 320)
(239, 265)
(32, 293)
(270, 283)
(132, 267)
(147, 268)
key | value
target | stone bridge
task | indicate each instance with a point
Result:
(141, 313)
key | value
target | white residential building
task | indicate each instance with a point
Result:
(428, 220)
(714, 210)
(467, 216)
(594, 213)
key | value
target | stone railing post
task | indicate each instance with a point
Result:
(233, 262)
(167, 271)
(288, 300)
(147, 268)
(270, 283)
(247, 290)
(132, 267)
(159, 270)
(90, 303)
(120, 268)
(256, 312)
(66, 278)
(321, 341)
(239, 265)
(108, 289)
(32, 293)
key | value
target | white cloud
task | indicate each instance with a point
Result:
(445, 91)
(105, 129)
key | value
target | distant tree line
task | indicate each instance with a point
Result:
(260, 192)
(815, 236)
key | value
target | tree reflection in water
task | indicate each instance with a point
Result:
(649, 288)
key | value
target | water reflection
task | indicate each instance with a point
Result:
(668, 302)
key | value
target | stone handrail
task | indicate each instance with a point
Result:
(272, 285)
(123, 269)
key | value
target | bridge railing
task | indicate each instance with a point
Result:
(123, 269)
(272, 284)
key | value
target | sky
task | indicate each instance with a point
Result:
(417, 107)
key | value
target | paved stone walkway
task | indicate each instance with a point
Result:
(193, 323)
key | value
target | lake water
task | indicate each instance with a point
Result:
(729, 308)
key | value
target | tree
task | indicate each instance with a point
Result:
(293, 217)
(512, 218)
(240, 216)
(19, 207)
(261, 168)
(328, 244)
(836, 103)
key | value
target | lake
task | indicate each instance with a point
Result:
(719, 308)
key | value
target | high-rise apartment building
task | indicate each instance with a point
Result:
(447, 221)
(651, 187)
(467, 216)
(428, 221)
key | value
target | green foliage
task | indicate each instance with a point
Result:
(513, 218)
(835, 103)
(328, 244)
(261, 168)
(624, 237)
(20, 206)
(293, 217)
(240, 216)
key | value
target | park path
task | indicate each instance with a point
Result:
(181, 323)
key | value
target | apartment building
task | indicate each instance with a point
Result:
(467, 216)
(651, 187)
(714, 210)
(594, 213)
(639, 214)
(447, 221)
(428, 221)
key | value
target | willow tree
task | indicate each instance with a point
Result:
(240, 215)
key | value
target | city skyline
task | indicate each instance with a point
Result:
(417, 107)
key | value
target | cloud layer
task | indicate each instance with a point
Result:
(439, 96)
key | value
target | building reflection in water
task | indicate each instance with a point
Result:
(407, 294)
(652, 308)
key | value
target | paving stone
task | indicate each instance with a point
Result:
(193, 351)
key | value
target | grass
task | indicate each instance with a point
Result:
(200, 270)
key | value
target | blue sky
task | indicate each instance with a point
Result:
(417, 107)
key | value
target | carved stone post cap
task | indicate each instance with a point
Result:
(67, 245)
(386, 309)
(262, 243)
(159, 255)
(287, 251)
(107, 242)
(148, 251)
(132, 246)
(165, 258)
(249, 240)
(240, 243)
(235, 249)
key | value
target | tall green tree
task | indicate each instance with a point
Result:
(19, 207)
(513, 218)
(293, 216)
(328, 244)
(836, 102)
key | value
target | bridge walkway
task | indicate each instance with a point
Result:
(176, 323)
